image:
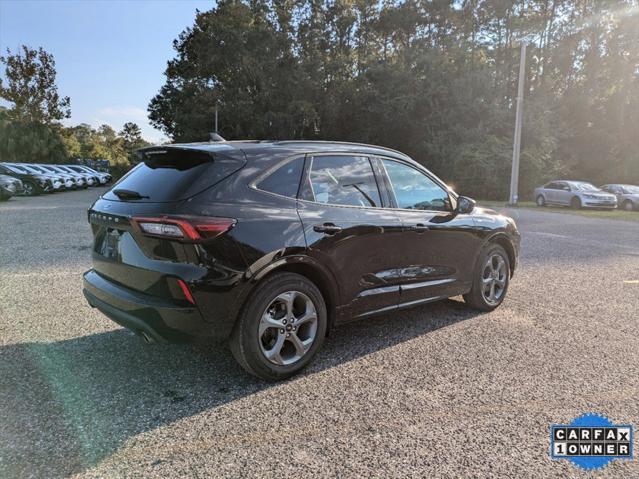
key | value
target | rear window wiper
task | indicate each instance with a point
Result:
(129, 195)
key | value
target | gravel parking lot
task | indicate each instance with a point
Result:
(438, 391)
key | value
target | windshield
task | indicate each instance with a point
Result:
(631, 189)
(37, 169)
(14, 169)
(21, 169)
(582, 186)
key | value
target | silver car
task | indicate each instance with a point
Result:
(627, 195)
(576, 194)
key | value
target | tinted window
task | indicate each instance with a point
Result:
(414, 190)
(552, 186)
(173, 174)
(344, 180)
(285, 180)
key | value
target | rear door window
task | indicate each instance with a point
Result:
(285, 180)
(343, 180)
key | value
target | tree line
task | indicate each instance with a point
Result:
(30, 129)
(436, 79)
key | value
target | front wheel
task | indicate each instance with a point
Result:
(541, 201)
(575, 203)
(30, 189)
(281, 327)
(491, 280)
(628, 206)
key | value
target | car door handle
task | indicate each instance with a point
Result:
(419, 227)
(327, 229)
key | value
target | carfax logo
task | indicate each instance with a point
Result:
(591, 441)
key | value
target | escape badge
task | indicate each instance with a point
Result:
(591, 441)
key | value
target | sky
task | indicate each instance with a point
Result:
(110, 54)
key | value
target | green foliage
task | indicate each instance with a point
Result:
(30, 85)
(29, 131)
(29, 141)
(434, 79)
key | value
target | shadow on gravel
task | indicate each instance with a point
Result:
(70, 404)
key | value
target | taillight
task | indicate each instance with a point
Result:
(188, 228)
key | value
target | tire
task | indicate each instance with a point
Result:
(487, 282)
(30, 189)
(628, 206)
(575, 203)
(541, 201)
(273, 354)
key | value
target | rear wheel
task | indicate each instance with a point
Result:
(491, 281)
(541, 201)
(575, 203)
(281, 327)
(628, 206)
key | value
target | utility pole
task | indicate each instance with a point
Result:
(214, 136)
(514, 175)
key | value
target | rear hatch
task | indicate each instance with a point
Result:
(144, 238)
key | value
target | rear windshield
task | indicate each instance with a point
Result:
(173, 174)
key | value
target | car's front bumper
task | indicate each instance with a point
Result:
(156, 319)
(586, 203)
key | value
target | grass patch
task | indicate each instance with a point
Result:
(609, 214)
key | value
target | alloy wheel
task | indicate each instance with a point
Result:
(494, 279)
(288, 328)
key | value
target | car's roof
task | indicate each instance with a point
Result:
(251, 147)
(568, 181)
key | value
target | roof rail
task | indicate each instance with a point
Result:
(337, 142)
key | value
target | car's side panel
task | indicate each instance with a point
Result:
(362, 256)
(436, 262)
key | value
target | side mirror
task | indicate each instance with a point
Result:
(465, 205)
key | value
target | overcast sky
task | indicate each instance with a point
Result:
(110, 54)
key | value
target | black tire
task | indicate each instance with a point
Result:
(30, 189)
(476, 298)
(541, 201)
(575, 203)
(628, 206)
(246, 344)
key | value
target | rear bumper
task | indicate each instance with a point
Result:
(157, 319)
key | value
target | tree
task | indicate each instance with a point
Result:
(132, 140)
(436, 79)
(131, 133)
(30, 86)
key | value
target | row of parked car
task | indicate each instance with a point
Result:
(33, 179)
(579, 194)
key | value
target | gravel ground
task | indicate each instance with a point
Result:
(438, 391)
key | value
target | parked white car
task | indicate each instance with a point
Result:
(576, 194)
(627, 195)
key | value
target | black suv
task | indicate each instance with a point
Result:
(270, 244)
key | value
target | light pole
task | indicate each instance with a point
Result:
(214, 135)
(514, 174)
